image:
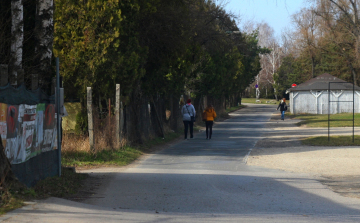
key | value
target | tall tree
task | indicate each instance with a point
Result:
(17, 33)
(44, 35)
(341, 21)
(306, 26)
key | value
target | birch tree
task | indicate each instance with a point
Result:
(44, 33)
(17, 33)
(271, 61)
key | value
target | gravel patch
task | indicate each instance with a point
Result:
(281, 148)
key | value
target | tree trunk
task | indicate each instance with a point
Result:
(17, 33)
(174, 116)
(156, 119)
(44, 34)
(353, 72)
(135, 116)
(312, 66)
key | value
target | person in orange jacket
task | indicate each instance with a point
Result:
(210, 115)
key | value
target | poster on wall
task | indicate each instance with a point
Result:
(27, 130)
(13, 139)
(49, 128)
(39, 130)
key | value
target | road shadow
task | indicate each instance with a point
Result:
(218, 193)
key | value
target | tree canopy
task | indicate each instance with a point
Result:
(159, 46)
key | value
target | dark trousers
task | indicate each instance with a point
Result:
(186, 127)
(209, 125)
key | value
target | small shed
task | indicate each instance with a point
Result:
(312, 96)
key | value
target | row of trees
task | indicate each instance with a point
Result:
(157, 50)
(154, 49)
(325, 39)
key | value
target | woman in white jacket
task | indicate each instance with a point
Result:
(188, 112)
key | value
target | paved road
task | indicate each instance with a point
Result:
(202, 180)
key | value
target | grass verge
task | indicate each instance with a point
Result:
(113, 157)
(231, 109)
(258, 101)
(9, 201)
(336, 120)
(334, 141)
(119, 157)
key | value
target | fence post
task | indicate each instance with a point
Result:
(4, 75)
(90, 118)
(118, 112)
(121, 121)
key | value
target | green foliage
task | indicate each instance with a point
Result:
(81, 126)
(86, 36)
(289, 73)
(231, 109)
(158, 46)
(119, 157)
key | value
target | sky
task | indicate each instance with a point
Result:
(277, 13)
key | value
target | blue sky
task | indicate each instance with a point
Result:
(277, 13)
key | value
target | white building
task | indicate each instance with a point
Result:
(312, 97)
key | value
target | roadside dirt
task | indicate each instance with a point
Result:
(336, 167)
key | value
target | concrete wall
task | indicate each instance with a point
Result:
(316, 102)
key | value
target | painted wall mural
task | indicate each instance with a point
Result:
(27, 130)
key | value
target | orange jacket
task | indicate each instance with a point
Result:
(210, 114)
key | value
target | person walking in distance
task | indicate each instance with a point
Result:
(283, 108)
(209, 116)
(188, 112)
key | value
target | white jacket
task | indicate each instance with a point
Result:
(187, 111)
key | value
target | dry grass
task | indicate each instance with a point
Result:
(107, 151)
(104, 133)
(72, 142)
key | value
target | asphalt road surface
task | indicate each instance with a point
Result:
(201, 180)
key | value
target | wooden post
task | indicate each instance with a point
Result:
(90, 119)
(118, 114)
(121, 121)
(4, 75)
